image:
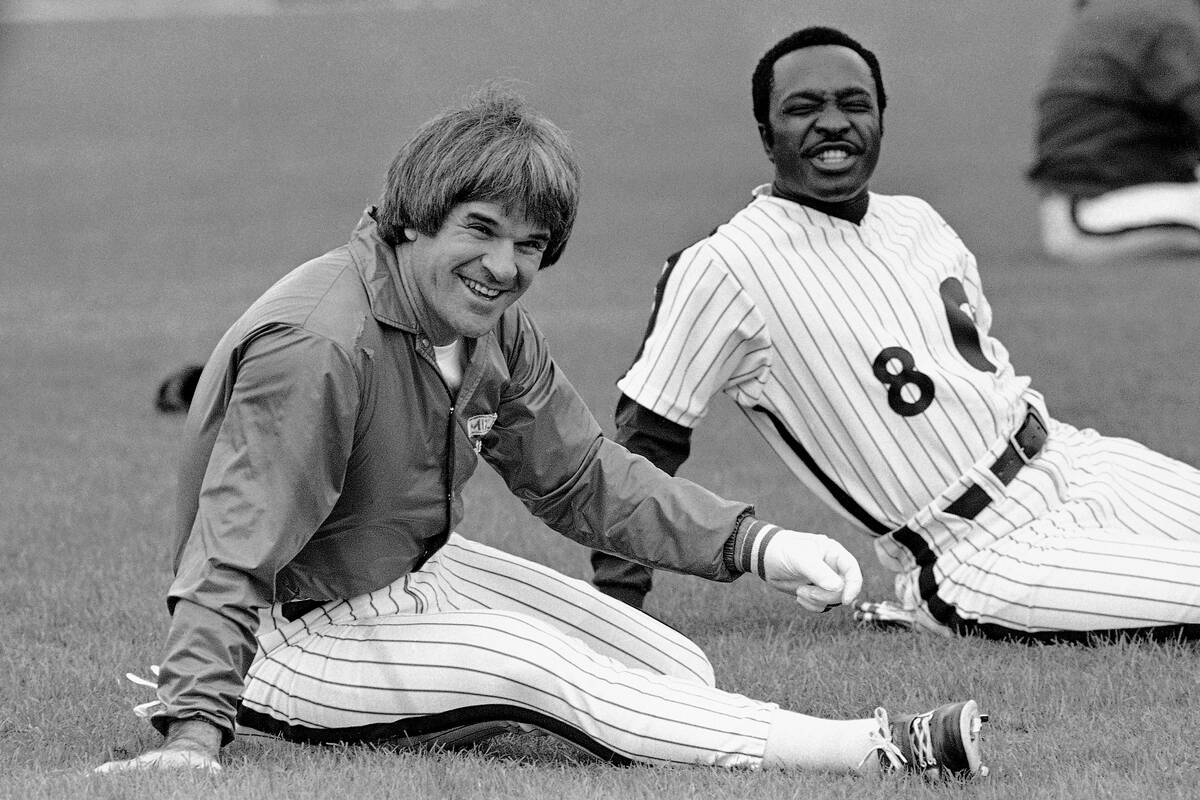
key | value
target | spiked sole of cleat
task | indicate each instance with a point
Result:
(968, 762)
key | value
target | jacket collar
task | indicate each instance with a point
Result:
(390, 292)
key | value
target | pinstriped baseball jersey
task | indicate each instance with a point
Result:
(860, 352)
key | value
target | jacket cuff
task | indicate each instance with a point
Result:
(746, 549)
(729, 551)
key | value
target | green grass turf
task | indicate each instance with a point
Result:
(155, 176)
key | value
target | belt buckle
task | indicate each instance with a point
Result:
(1031, 414)
(1012, 440)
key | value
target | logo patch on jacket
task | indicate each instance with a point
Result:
(479, 426)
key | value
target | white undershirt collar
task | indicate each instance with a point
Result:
(450, 362)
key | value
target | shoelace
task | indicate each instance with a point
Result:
(922, 742)
(891, 757)
(151, 708)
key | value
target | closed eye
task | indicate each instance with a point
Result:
(800, 109)
(533, 245)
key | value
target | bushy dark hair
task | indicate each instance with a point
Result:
(815, 36)
(493, 149)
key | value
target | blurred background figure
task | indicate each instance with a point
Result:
(175, 392)
(1118, 133)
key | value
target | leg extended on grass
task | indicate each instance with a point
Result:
(442, 657)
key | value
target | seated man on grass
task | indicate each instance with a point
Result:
(321, 593)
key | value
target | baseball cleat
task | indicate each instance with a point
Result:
(884, 614)
(942, 743)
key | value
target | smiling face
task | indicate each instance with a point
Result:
(825, 124)
(478, 263)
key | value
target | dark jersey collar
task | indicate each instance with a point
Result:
(852, 210)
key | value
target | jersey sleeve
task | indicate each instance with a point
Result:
(706, 335)
(652, 436)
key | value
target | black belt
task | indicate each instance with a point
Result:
(295, 609)
(1023, 446)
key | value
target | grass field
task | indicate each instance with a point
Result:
(157, 174)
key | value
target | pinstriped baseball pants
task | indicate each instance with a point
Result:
(1096, 534)
(479, 642)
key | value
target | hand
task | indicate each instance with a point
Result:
(190, 744)
(816, 569)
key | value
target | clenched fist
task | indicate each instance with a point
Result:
(816, 569)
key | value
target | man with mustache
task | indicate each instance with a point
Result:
(852, 331)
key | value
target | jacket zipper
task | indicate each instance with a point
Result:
(448, 466)
(449, 463)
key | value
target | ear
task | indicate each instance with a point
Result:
(768, 141)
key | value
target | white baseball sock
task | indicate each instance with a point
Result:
(799, 741)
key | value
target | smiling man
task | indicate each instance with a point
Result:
(321, 593)
(823, 130)
(851, 329)
(482, 261)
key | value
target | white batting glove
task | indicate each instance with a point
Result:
(815, 569)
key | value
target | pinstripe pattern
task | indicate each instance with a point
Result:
(478, 642)
(1097, 534)
(785, 309)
